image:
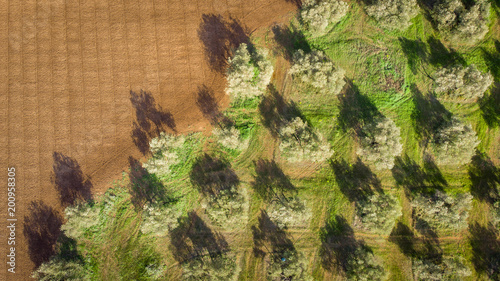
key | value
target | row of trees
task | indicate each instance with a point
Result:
(456, 20)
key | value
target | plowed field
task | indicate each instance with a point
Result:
(67, 69)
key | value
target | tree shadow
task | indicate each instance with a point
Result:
(424, 247)
(290, 39)
(429, 115)
(356, 181)
(356, 110)
(404, 238)
(297, 3)
(485, 250)
(146, 187)
(416, 179)
(338, 244)
(219, 37)
(212, 175)
(206, 102)
(430, 247)
(69, 180)
(193, 238)
(276, 111)
(490, 106)
(441, 56)
(492, 59)
(42, 227)
(270, 183)
(415, 52)
(268, 238)
(485, 178)
(151, 118)
(67, 249)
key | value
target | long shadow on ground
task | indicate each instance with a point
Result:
(220, 37)
(416, 179)
(275, 110)
(69, 180)
(145, 187)
(193, 238)
(429, 115)
(356, 110)
(151, 118)
(268, 238)
(212, 175)
(356, 181)
(42, 226)
(485, 250)
(485, 178)
(270, 183)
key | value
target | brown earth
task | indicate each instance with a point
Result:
(69, 120)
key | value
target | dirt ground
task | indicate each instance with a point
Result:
(72, 110)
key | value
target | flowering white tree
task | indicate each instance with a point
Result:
(299, 143)
(378, 213)
(79, 218)
(442, 211)
(294, 213)
(229, 208)
(58, 269)
(448, 269)
(393, 14)
(380, 143)
(462, 83)
(455, 143)
(288, 265)
(459, 23)
(320, 15)
(159, 220)
(316, 70)
(210, 268)
(230, 137)
(163, 153)
(249, 73)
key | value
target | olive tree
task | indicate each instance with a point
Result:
(462, 83)
(230, 137)
(249, 73)
(458, 22)
(447, 269)
(228, 209)
(319, 16)
(299, 143)
(364, 266)
(442, 211)
(164, 155)
(288, 265)
(454, 143)
(79, 218)
(159, 220)
(317, 71)
(378, 213)
(293, 213)
(221, 267)
(393, 14)
(59, 270)
(380, 143)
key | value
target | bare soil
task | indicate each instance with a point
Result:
(86, 84)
